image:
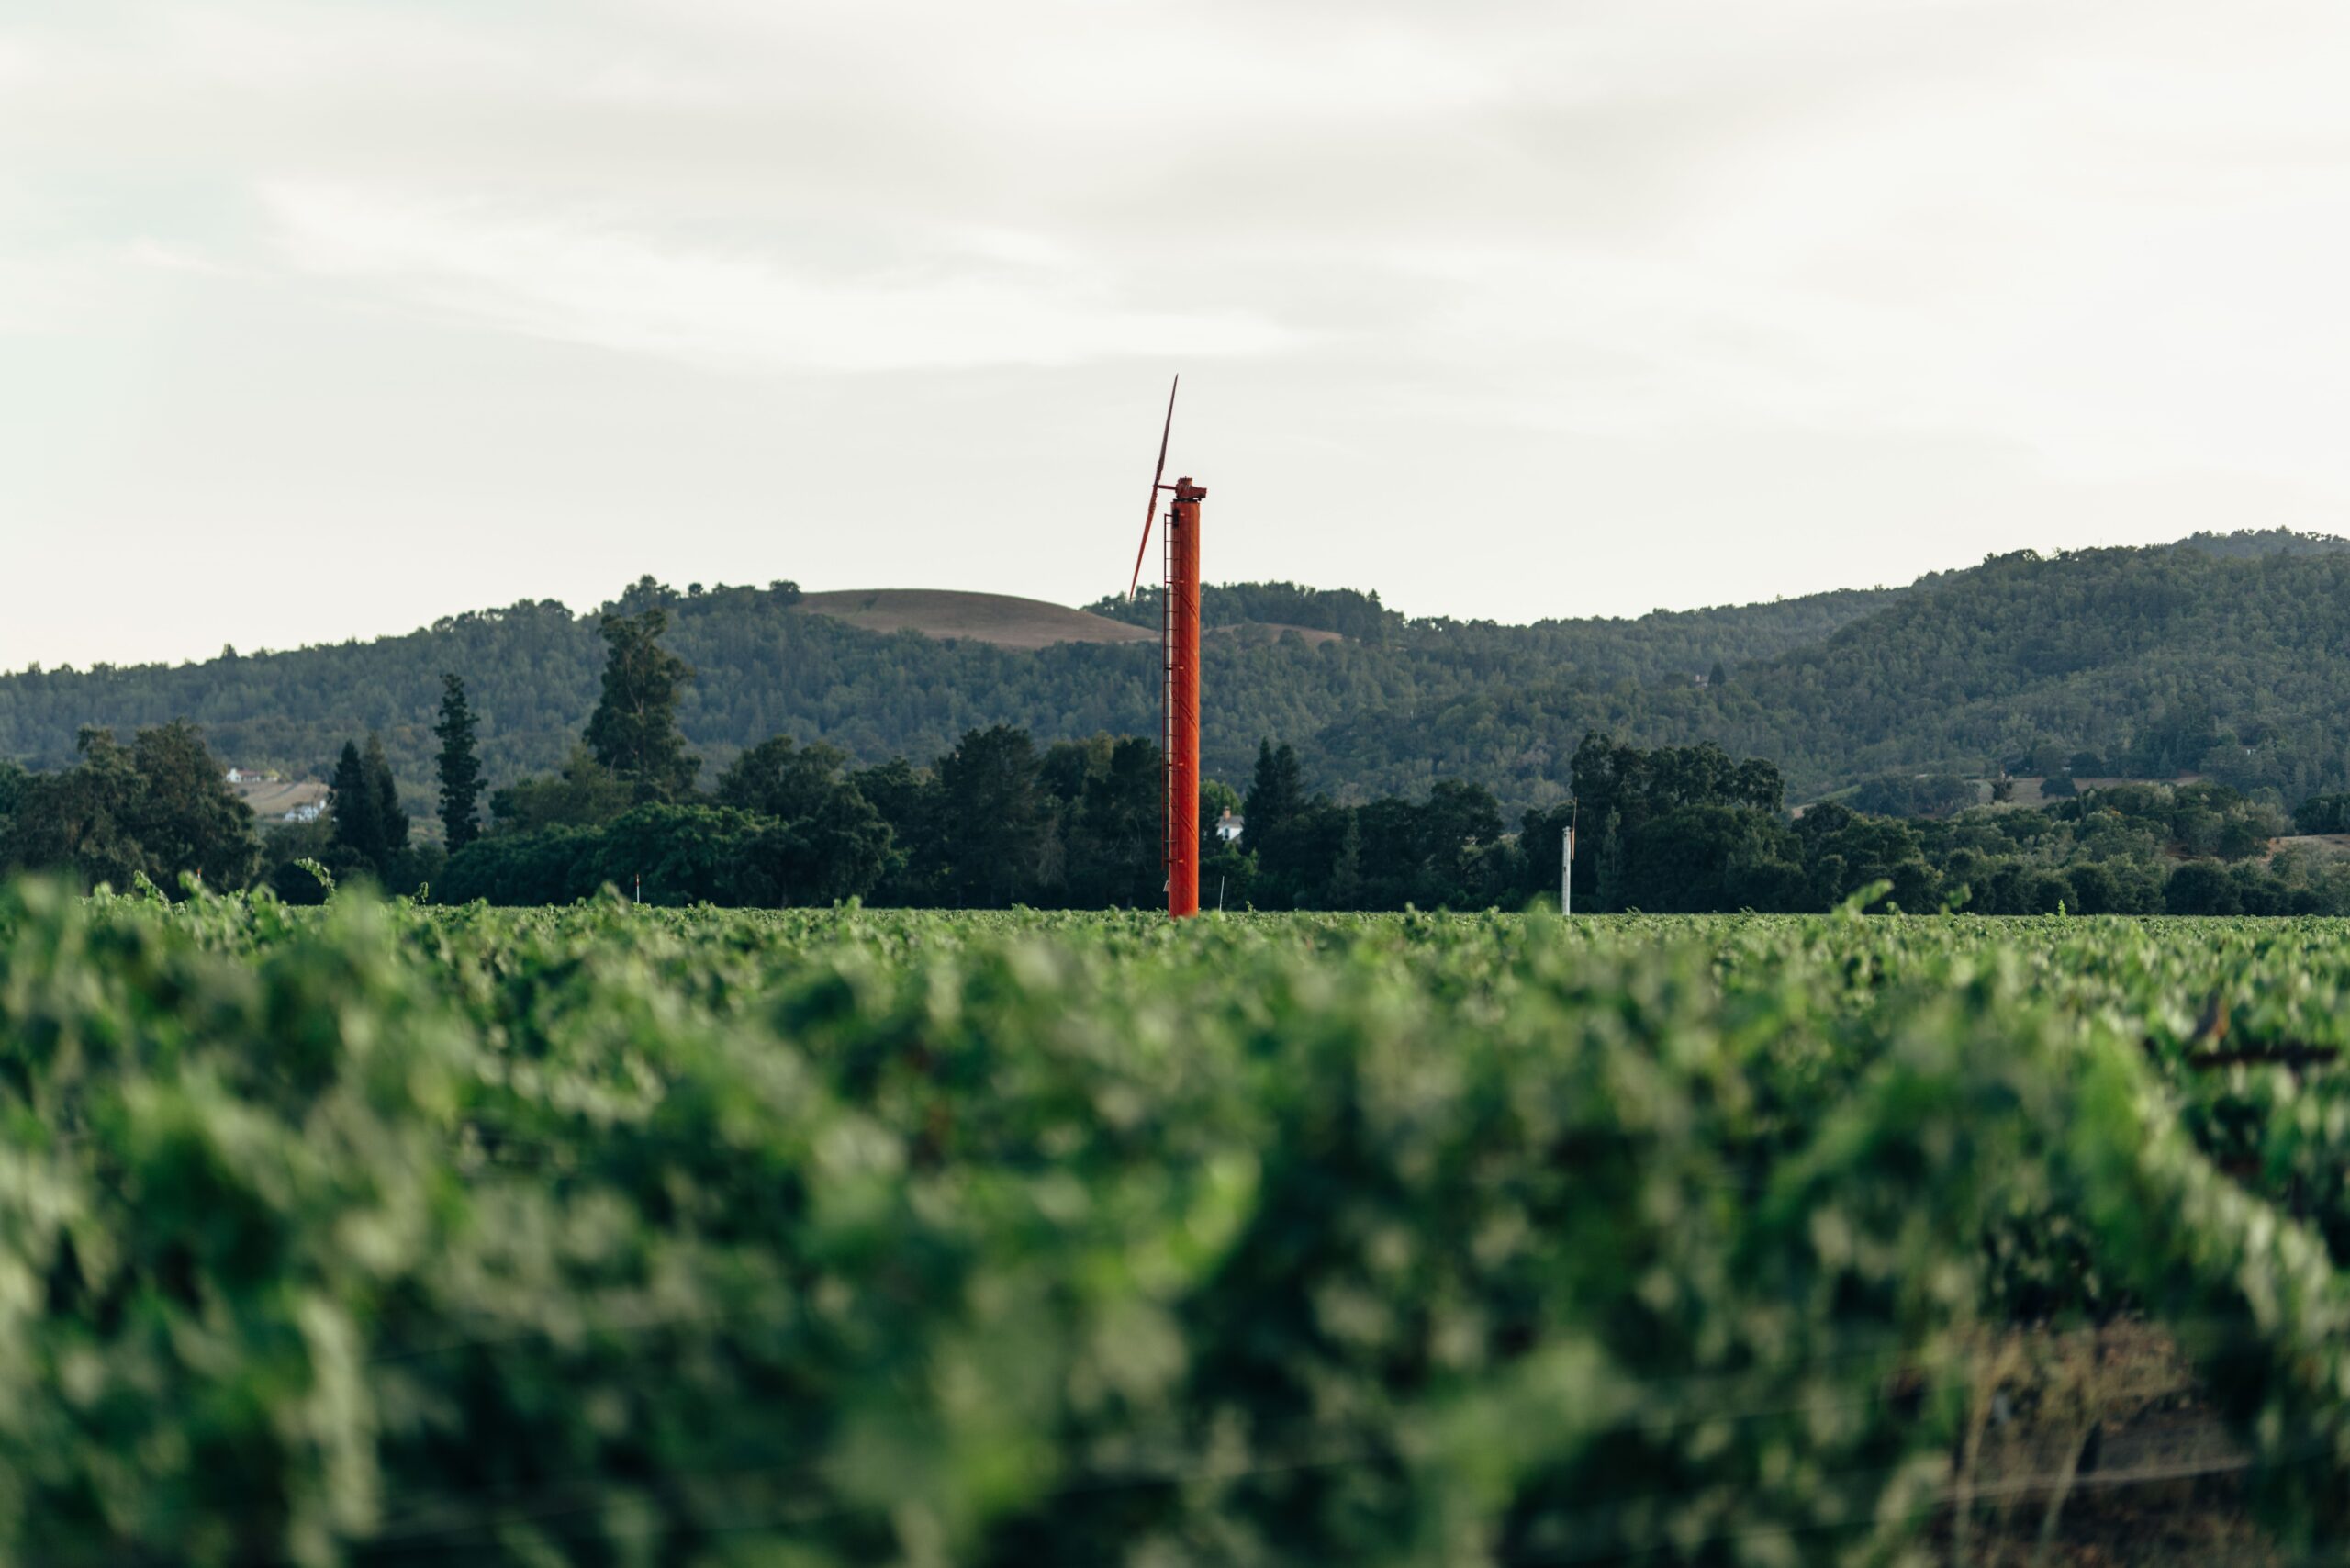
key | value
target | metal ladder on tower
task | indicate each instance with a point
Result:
(1166, 696)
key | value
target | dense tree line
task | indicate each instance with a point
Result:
(996, 820)
(1689, 831)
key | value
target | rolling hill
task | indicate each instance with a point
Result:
(1000, 620)
(2227, 655)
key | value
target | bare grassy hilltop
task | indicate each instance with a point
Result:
(1003, 619)
(1008, 621)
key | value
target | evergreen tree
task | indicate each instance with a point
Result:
(391, 821)
(1115, 856)
(1276, 793)
(1346, 872)
(633, 731)
(369, 828)
(995, 825)
(460, 765)
(1610, 889)
(351, 797)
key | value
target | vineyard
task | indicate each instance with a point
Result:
(616, 1235)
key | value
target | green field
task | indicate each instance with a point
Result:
(623, 1235)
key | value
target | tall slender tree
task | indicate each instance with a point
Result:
(1346, 872)
(460, 765)
(369, 828)
(634, 730)
(391, 819)
(1276, 793)
(352, 799)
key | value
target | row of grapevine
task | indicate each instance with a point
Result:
(608, 1235)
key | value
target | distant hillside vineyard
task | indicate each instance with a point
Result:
(2228, 655)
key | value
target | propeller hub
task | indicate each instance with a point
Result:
(1187, 491)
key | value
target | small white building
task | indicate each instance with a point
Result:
(308, 811)
(1228, 827)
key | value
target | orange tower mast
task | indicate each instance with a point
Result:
(1178, 650)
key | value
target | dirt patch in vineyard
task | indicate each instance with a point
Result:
(2102, 1439)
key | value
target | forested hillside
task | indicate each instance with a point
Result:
(2229, 656)
(2148, 663)
(765, 670)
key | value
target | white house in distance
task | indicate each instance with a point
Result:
(273, 798)
(1227, 827)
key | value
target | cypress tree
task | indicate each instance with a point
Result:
(358, 827)
(460, 765)
(1276, 793)
(1609, 892)
(1345, 873)
(391, 821)
(369, 824)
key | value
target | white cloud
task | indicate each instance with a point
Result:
(1010, 301)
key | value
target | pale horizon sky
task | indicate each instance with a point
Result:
(320, 322)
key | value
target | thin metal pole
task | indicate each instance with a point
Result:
(1566, 869)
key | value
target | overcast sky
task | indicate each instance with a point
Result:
(320, 319)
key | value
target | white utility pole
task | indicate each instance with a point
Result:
(1567, 870)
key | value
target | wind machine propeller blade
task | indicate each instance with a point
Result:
(1151, 509)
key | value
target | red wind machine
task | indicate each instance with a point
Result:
(1178, 658)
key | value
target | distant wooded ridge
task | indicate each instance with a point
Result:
(2227, 655)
